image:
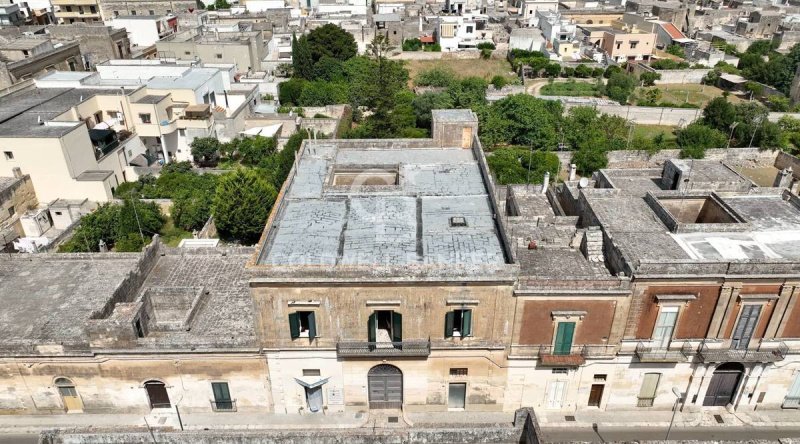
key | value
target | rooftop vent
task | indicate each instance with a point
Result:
(458, 221)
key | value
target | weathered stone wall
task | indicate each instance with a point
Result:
(116, 384)
(21, 197)
(98, 43)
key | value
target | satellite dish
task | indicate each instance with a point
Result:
(583, 183)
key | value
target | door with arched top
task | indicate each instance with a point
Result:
(385, 387)
(724, 383)
(157, 394)
(69, 395)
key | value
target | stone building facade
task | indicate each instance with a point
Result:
(395, 274)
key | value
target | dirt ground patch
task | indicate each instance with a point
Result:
(485, 69)
(683, 93)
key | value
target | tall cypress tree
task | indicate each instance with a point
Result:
(301, 57)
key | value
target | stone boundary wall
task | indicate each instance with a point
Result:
(738, 157)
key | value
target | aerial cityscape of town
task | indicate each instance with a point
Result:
(399, 221)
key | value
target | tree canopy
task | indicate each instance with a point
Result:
(242, 203)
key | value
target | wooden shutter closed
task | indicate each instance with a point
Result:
(564, 338)
(649, 385)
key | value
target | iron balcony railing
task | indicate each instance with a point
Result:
(645, 402)
(586, 350)
(224, 406)
(366, 349)
(723, 351)
(791, 402)
(648, 352)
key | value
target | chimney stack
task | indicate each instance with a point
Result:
(17, 172)
(545, 182)
(573, 170)
(783, 179)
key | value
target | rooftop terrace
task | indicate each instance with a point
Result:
(373, 203)
(694, 218)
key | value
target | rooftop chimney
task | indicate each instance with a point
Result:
(545, 182)
(17, 171)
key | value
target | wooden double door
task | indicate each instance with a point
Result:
(724, 384)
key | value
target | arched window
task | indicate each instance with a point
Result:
(69, 395)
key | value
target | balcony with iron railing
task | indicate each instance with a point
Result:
(652, 352)
(369, 349)
(223, 406)
(791, 402)
(725, 351)
(574, 356)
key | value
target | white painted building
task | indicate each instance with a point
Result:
(462, 32)
(146, 30)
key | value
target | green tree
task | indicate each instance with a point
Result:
(129, 243)
(412, 44)
(329, 69)
(620, 86)
(649, 78)
(135, 215)
(93, 227)
(242, 203)
(205, 150)
(469, 92)
(222, 4)
(437, 77)
(583, 71)
(514, 165)
(611, 70)
(719, 114)
(589, 160)
(696, 138)
(191, 209)
(423, 104)
(499, 82)
(302, 63)
(321, 93)
(331, 41)
(552, 69)
(289, 92)
(676, 50)
(761, 47)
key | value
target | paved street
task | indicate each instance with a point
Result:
(560, 434)
(18, 439)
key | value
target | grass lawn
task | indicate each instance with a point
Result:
(569, 88)
(485, 69)
(651, 131)
(696, 94)
(172, 235)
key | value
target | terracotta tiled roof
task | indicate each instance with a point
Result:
(427, 39)
(673, 31)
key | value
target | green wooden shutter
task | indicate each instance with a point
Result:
(397, 327)
(371, 327)
(294, 325)
(312, 325)
(564, 338)
(448, 324)
(466, 323)
(221, 392)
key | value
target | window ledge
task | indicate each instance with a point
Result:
(369, 303)
(304, 303)
(758, 297)
(462, 302)
(675, 297)
(580, 314)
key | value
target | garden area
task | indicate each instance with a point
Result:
(483, 68)
(571, 88)
(678, 95)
